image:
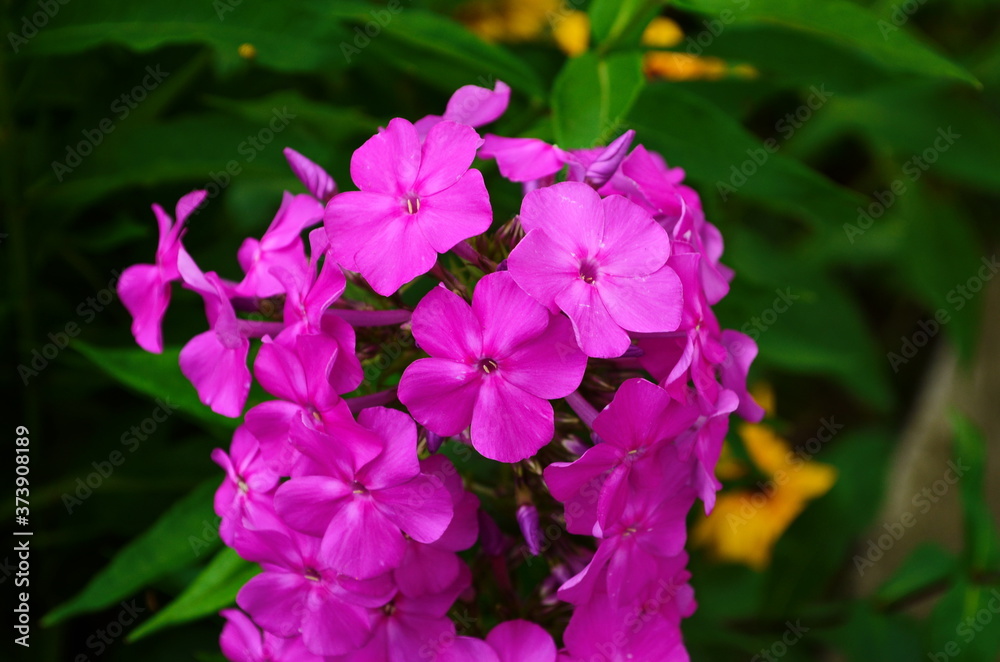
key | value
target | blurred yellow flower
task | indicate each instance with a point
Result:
(746, 524)
(510, 20)
(572, 33)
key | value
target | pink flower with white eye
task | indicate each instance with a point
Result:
(602, 262)
(415, 201)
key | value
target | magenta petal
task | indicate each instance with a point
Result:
(352, 217)
(426, 569)
(510, 425)
(447, 153)
(598, 334)
(362, 542)
(335, 627)
(421, 508)
(507, 315)
(578, 485)
(542, 268)
(218, 372)
(634, 244)
(275, 601)
(570, 213)
(315, 178)
(549, 366)
(308, 503)
(281, 373)
(396, 253)
(388, 161)
(398, 462)
(269, 422)
(444, 326)
(523, 159)
(440, 394)
(475, 106)
(522, 641)
(464, 649)
(646, 304)
(146, 296)
(456, 213)
(240, 641)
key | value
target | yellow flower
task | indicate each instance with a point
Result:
(662, 32)
(572, 33)
(746, 524)
(509, 20)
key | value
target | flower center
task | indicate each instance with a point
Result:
(359, 488)
(312, 575)
(588, 270)
(242, 484)
(488, 366)
(412, 204)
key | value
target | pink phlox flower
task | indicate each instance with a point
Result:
(145, 288)
(494, 366)
(242, 641)
(281, 246)
(414, 628)
(521, 641)
(246, 497)
(471, 105)
(299, 594)
(215, 361)
(317, 181)
(637, 431)
(524, 160)
(432, 567)
(415, 201)
(360, 503)
(601, 261)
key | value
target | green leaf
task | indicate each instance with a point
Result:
(982, 544)
(963, 625)
(711, 146)
(592, 95)
(927, 564)
(299, 36)
(838, 21)
(868, 634)
(214, 589)
(158, 376)
(445, 54)
(614, 21)
(176, 540)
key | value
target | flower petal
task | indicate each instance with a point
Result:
(508, 424)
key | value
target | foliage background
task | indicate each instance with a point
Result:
(65, 235)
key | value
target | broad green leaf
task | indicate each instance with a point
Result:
(213, 589)
(867, 633)
(982, 544)
(155, 375)
(176, 540)
(446, 55)
(963, 625)
(926, 565)
(843, 23)
(591, 97)
(615, 21)
(717, 152)
(300, 36)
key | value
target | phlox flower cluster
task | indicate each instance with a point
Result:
(574, 347)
